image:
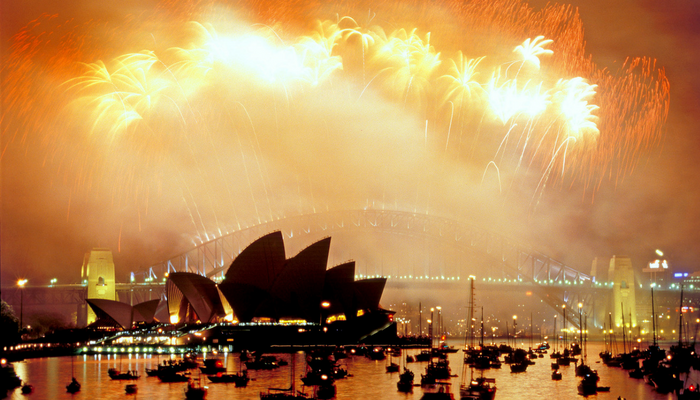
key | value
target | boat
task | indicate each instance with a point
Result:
(240, 379)
(424, 355)
(167, 368)
(27, 388)
(690, 393)
(285, 394)
(131, 388)
(518, 367)
(377, 353)
(322, 368)
(392, 367)
(171, 377)
(282, 394)
(118, 375)
(443, 347)
(73, 386)
(325, 390)
(556, 375)
(589, 384)
(683, 353)
(263, 362)
(582, 369)
(212, 366)
(443, 393)
(427, 380)
(665, 379)
(195, 390)
(637, 373)
(188, 362)
(405, 383)
(478, 389)
(439, 369)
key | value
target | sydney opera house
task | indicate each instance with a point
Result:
(264, 288)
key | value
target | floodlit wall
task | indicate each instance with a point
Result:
(98, 270)
(624, 302)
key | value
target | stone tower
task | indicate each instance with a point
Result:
(622, 275)
(98, 271)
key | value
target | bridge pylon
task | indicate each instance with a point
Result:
(624, 301)
(98, 271)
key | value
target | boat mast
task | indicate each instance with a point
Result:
(585, 342)
(653, 316)
(507, 334)
(420, 319)
(481, 342)
(680, 320)
(291, 374)
(563, 314)
(531, 331)
(470, 322)
(556, 335)
(613, 341)
(624, 340)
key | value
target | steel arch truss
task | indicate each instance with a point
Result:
(518, 261)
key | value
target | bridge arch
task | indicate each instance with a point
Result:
(508, 259)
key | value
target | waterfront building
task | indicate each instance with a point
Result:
(266, 293)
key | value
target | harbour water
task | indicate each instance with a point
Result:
(368, 379)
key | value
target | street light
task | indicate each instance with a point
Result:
(21, 284)
(324, 306)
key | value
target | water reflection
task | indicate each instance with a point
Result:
(368, 379)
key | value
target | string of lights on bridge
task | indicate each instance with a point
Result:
(426, 278)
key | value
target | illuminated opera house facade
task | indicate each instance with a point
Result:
(264, 288)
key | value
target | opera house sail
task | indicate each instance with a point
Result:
(266, 297)
(262, 285)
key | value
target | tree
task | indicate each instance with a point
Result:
(9, 325)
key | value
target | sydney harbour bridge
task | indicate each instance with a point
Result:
(453, 256)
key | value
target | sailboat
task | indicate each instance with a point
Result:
(116, 374)
(74, 385)
(392, 366)
(285, 394)
(405, 383)
(479, 388)
(682, 354)
(590, 378)
(195, 390)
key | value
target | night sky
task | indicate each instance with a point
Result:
(71, 181)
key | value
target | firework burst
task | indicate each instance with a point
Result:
(218, 103)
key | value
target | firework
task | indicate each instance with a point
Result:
(136, 111)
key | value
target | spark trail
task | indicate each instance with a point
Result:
(132, 112)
